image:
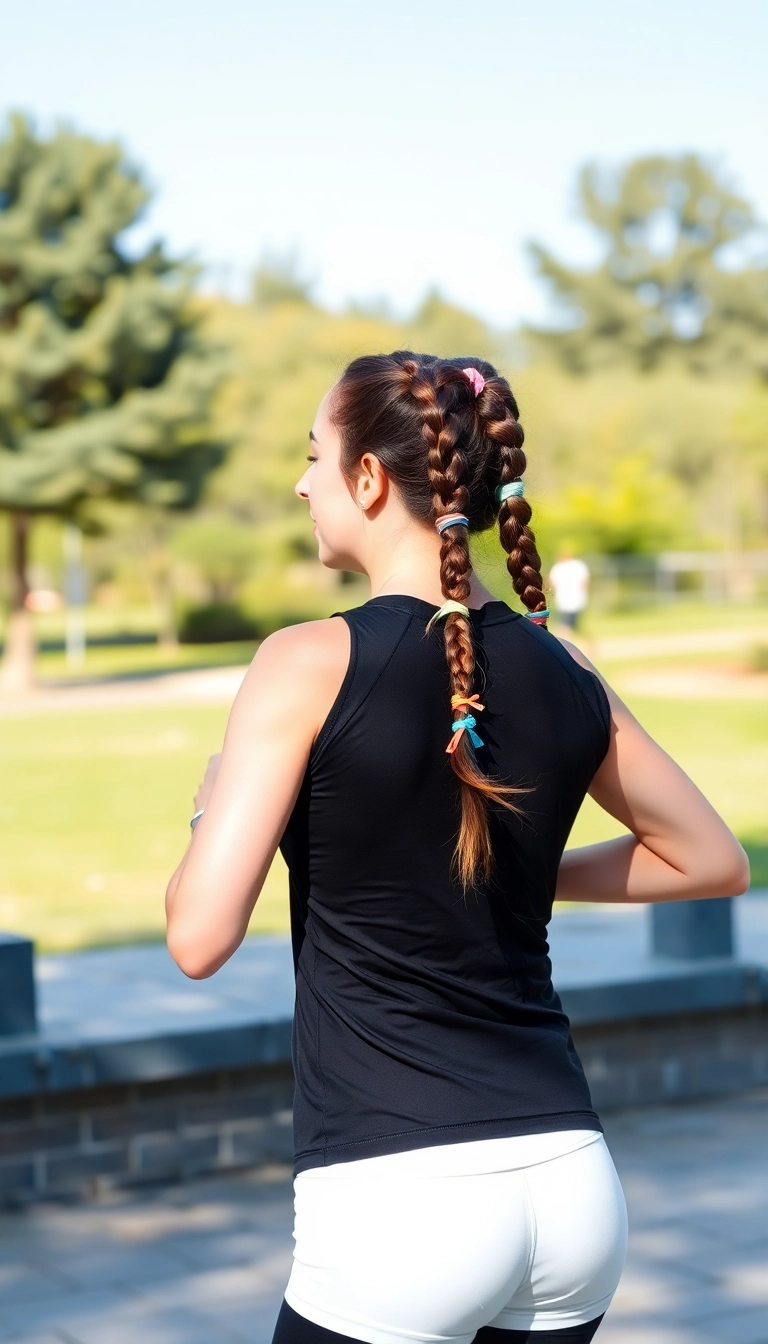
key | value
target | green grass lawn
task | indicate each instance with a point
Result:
(94, 809)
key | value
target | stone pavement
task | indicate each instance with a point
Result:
(206, 1263)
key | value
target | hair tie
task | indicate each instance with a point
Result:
(512, 490)
(460, 726)
(538, 617)
(446, 610)
(451, 520)
(472, 700)
(476, 379)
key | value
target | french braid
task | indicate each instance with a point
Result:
(447, 452)
(517, 539)
(442, 399)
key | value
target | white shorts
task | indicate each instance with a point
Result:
(526, 1233)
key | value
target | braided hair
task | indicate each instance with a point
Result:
(448, 451)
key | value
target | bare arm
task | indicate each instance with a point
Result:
(248, 794)
(679, 847)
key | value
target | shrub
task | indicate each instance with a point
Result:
(758, 658)
(216, 623)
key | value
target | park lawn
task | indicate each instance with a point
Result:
(94, 809)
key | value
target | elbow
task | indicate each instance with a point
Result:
(738, 877)
(195, 956)
(729, 875)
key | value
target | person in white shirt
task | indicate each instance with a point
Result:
(570, 579)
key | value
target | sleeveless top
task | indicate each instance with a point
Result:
(425, 1015)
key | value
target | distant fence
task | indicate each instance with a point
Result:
(669, 576)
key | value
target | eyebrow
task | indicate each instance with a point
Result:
(312, 437)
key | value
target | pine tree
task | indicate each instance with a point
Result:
(675, 282)
(105, 381)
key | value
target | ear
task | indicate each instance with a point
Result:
(371, 480)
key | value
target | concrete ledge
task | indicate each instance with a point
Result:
(714, 984)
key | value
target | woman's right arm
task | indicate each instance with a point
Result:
(678, 847)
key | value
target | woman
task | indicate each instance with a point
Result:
(420, 761)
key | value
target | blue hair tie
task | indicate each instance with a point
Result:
(512, 490)
(470, 723)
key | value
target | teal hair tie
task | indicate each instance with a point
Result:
(470, 723)
(446, 610)
(512, 490)
(537, 615)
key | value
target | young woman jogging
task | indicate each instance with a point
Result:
(420, 761)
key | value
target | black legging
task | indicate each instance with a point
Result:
(294, 1329)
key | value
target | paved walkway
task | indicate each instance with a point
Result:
(206, 1263)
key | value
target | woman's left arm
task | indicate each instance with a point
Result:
(248, 794)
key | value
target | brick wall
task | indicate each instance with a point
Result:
(78, 1142)
(643, 1062)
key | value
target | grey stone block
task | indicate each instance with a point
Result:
(41, 1133)
(175, 1154)
(150, 1117)
(18, 1015)
(693, 930)
(76, 1169)
(16, 1178)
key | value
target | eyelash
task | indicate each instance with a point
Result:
(310, 458)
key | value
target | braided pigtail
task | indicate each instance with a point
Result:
(519, 542)
(445, 403)
(446, 433)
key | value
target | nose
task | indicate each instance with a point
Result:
(301, 489)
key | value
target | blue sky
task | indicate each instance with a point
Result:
(400, 145)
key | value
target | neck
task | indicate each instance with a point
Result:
(411, 565)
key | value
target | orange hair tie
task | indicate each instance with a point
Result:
(472, 700)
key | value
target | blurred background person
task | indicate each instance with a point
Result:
(569, 577)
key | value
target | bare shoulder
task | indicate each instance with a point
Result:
(316, 645)
(299, 670)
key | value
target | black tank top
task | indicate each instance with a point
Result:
(423, 1015)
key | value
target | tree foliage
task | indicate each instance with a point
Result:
(104, 384)
(676, 282)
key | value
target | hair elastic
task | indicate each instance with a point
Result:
(538, 617)
(476, 379)
(512, 490)
(472, 700)
(446, 610)
(460, 726)
(451, 520)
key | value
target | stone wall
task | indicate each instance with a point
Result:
(80, 1141)
(76, 1142)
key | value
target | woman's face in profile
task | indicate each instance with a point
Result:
(337, 519)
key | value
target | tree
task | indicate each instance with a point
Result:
(105, 381)
(676, 280)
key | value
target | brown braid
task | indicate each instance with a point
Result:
(420, 412)
(517, 539)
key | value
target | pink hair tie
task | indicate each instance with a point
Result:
(476, 379)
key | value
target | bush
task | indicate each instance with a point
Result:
(758, 658)
(216, 623)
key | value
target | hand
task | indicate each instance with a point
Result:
(202, 797)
